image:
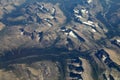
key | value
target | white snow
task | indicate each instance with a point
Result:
(84, 11)
(53, 10)
(87, 23)
(104, 57)
(118, 40)
(72, 34)
(49, 24)
(90, 23)
(93, 30)
(66, 34)
(89, 1)
(63, 30)
(76, 11)
(78, 16)
(96, 24)
(21, 33)
(41, 7)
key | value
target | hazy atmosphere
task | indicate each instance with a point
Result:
(59, 39)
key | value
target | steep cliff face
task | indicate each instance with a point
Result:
(57, 40)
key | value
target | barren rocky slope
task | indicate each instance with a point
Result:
(59, 40)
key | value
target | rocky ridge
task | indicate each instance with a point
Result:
(44, 26)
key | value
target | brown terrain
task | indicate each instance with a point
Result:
(38, 43)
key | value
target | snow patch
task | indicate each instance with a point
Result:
(72, 34)
(89, 1)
